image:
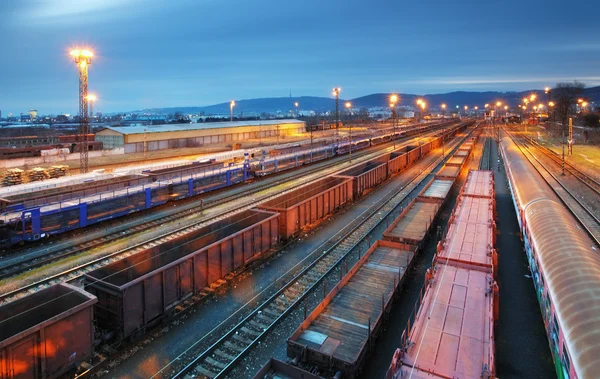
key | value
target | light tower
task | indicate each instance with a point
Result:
(83, 58)
(91, 98)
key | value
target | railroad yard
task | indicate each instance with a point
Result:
(446, 249)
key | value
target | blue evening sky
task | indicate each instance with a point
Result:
(152, 53)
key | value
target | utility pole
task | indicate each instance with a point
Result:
(83, 58)
(570, 136)
(348, 106)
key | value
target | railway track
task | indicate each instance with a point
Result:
(586, 216)
(485, 162)
(586, 179)
(76, 272)
(222, 355)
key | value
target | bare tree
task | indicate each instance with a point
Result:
(565, 97)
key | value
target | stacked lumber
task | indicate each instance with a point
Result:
(37, 173)
(12, 177)
(58, 171)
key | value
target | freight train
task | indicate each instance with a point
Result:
(46, 339)
(39, 214)
(32, 146)
(564, 264)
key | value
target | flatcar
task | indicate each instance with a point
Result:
(565, 266)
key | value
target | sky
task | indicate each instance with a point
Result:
(151, 53)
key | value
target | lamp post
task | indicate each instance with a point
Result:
(443, 132)
(393, 101)
(336, 93)
(348, 106)
(231, 105)
(296, 105)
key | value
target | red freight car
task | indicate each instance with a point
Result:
(46, 334)
(309, 204)
(137, 291)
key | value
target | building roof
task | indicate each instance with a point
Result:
(140, 129)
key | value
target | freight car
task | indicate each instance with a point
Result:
(337, 336)
(458, 305)
(309, 204)
(564, 264)
(138, 291)
(46, 334)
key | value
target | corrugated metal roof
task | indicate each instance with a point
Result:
(140, 129)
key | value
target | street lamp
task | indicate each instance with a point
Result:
(393, 101)
(231, 105)
(348, 105)
(443, 132)
(336, 93)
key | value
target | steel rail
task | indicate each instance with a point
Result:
(569, 200)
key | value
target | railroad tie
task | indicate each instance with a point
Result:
(234, 347)
(225, 355)
(241, 339)
(215, 363)
(258, 324)
(250, 332)
(206, 372)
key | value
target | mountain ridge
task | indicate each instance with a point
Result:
(320, 104)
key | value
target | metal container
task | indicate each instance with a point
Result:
(437, 189)
(456, 161)
(46, 334)
(307, 205)
(367, 175)
(398, 162)
(137, 291)
(448, 172)
(425, 148)
(413, 224)
(338, 335)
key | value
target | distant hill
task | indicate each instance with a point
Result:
(285, 104)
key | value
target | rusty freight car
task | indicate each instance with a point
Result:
(46, 334)
(309, 204)
(367, 175)
(337, 335)
(137, 291)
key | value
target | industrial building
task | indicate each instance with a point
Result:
(171, 136)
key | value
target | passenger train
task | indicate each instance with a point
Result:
(565, 265)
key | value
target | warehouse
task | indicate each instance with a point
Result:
(171, 136)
